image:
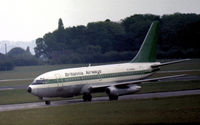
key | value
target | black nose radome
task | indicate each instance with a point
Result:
(29, 89)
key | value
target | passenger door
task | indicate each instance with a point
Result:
(59, 80)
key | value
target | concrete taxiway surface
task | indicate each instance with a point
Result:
(96, 100)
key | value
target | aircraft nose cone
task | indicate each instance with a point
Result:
(29, 89)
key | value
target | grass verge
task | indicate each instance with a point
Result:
(174, 110)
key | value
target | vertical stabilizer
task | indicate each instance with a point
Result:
(148, 50)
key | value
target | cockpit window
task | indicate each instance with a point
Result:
(37, 82)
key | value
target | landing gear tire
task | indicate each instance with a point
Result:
(113, 97)
(47, 102)
(87, 97)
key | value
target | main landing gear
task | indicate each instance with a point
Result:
(113, 97)
(48, 102)
(87, 97)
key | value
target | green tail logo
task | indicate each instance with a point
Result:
(148, 50)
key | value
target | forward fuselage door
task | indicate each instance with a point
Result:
(99, 76)
(60, 81)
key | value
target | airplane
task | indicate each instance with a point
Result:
(113, 79)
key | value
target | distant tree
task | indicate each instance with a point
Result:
(6, 66)
(136, 27)
(20, 57)
(6, 63)
(60, 24)
(28, 50)
(113, 41)
(106, 34)
(41, 48)
(179, 35)
(107, 20)
(17, 51)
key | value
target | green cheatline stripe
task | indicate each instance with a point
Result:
(100, 76)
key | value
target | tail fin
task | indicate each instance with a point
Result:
(148, 50)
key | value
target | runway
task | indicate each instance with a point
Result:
(33, 105)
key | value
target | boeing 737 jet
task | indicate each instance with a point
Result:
(113, 79)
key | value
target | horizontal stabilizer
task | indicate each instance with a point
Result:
(168, 63)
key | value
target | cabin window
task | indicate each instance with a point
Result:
(37, 82)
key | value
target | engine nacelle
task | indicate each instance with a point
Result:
(112, 90)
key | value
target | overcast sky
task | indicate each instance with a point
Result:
(26, 20)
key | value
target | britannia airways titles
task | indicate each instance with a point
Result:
(89, 72)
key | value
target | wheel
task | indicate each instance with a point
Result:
(113, 97)
(47, 102)
(87, 97)
(84, 98)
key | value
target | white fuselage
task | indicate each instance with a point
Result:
(71, 82)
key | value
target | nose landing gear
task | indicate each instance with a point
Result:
(47, 101)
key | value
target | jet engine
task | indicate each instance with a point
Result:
(113, 92)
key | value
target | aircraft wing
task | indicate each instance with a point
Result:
(96, 88)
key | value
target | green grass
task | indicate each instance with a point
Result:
(25, 72)
(170, 86)
(21, 96)
(16, 96)
(193, 64)
(16, 83)
(189, 73)
(22, 72)
(174, 110)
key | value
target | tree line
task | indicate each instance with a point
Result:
(17, 57)
(106, 41)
